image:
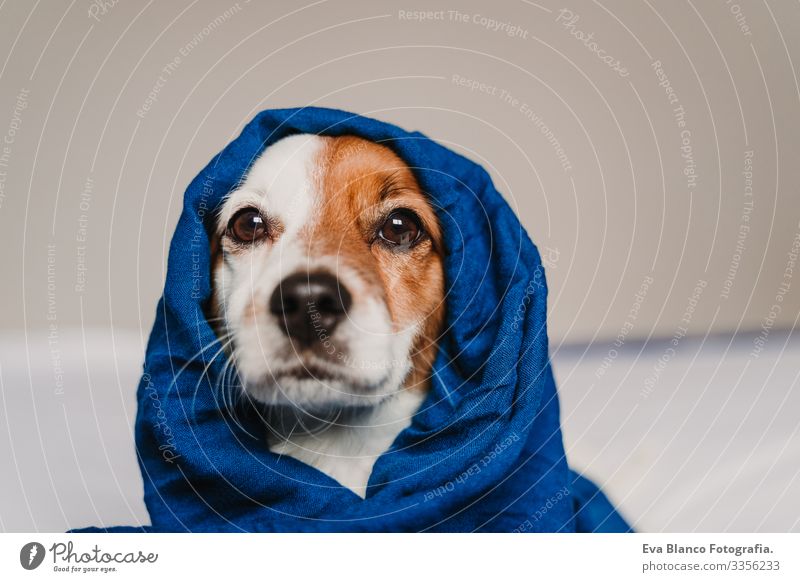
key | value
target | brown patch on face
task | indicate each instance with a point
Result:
(361, 183)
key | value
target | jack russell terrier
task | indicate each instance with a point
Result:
(328, 289)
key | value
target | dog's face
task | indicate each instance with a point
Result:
(327, 276)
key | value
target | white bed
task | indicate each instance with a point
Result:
(714, 446)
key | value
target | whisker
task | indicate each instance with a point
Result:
(228, 393)
(204, 374)
(189, 362)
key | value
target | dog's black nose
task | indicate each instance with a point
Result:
(309, 306)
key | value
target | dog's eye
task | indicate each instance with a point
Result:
(247, 226)
(401, 228)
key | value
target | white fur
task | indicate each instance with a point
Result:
(348, 453)
(372, 357)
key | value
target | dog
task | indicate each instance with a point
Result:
(328, 296)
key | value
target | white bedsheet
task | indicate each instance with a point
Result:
(713, 445)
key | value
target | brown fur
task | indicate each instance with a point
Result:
(354, 175)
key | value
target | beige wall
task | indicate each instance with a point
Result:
(604, 194)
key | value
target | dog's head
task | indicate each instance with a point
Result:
(327, 276)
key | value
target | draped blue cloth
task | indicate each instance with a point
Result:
(485, 451)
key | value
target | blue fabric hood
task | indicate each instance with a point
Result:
(485, 452)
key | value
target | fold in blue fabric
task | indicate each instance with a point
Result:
(485, 451)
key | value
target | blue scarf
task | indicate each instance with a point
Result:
(485, 452)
